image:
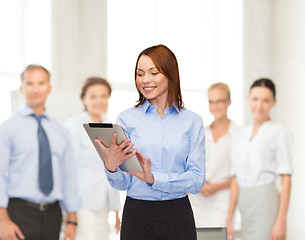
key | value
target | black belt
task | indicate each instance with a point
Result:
(43, 207)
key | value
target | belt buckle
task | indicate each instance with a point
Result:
(42, 207)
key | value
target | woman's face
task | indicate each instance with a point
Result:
(151, 83)
(96, 99)
(218, 103)
(261, 100)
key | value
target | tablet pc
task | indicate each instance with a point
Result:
(104, 132)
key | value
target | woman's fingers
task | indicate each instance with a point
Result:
(128, 148)
(140, 155)
(149, 162)
(142, 160)
(125, 144)
(100, 144)
(146, 164)
(129, 155)
(113, 140)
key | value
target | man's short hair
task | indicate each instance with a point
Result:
(35, 67)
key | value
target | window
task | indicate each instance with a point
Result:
(206, 37)
(26, 39)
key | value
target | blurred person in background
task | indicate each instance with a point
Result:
(98, 198)
(211, 205)
(36, 168)
(261, 152)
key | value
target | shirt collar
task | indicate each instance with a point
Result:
(86, 115)
(146, 106)
(26, 110)
(230, 129)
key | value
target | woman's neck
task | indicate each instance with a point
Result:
(95, 117)
(220, 127)
(259, 122)
(160, 107)
(221, 123)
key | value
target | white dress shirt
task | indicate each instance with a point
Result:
(212, 211)
(259, 161)
(94, 189)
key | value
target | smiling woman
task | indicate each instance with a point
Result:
(173, 160)
(261, 152)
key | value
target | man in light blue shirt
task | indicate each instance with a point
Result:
(26, 209)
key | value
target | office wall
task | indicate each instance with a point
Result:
(288, 68)
(257, 42)
(79, 50)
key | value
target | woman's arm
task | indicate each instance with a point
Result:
(117, 222)
(234, 191)
(209, 189)
(279, 228)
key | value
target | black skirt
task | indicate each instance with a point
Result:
(157, 220)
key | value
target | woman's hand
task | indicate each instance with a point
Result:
(208, 189)
(115, 155)
(117, 222)
(146, 175)
(278, 231)
(230, 231)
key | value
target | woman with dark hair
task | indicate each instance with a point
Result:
(261, 152)
(97, 197)
(169, 142)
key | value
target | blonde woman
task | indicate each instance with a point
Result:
(211, 204)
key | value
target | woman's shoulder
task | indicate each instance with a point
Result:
(233, 127)
(78, 120)
(189, 113)
(276, 125)
(130, 112)
(277, 128)
(240, 132)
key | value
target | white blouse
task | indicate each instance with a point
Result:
(94, 189)
(259, 161)
(212, 211)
